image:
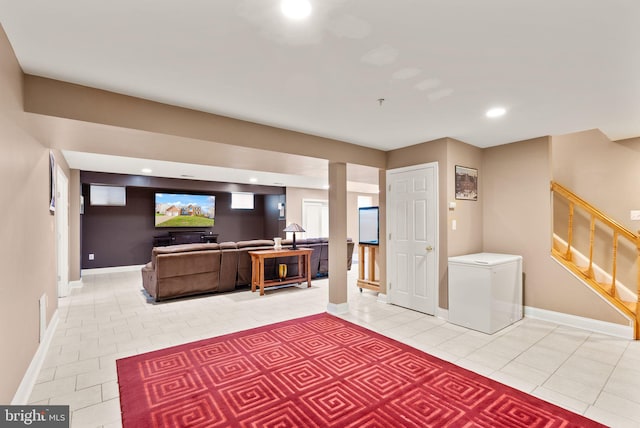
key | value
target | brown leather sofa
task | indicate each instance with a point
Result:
(189, 269)
(182, 270)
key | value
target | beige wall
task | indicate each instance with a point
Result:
(517, 220)
(467, 238)
(295, 195)
(27, 258)
(606, 175)
(80, 103)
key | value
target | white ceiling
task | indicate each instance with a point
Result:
(557, 66)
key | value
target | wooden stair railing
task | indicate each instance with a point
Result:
(606, 290)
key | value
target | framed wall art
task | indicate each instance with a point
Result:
(466, 183)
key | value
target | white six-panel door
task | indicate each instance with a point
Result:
(412, 214)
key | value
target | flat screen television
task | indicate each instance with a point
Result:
(184, 210)
(368, 225)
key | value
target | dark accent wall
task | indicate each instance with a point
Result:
(123, 236)
(273, 224)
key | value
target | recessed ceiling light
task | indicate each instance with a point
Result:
(146, 170)
(326, 187)
(496, 112)
(253, 180)
(295, 9)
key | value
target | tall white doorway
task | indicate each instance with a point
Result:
(62, 232)
(412, 224)
(315, 218)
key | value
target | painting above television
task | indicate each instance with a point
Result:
(184, 210)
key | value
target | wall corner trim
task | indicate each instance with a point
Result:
(338, 308)
(29, 380)
(596, 326)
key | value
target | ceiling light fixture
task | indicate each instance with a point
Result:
(253, 180)
(496, 112)
(146, 170)
(295, 9)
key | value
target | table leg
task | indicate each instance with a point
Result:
(308, 265)
(254, 273)
(261, 277)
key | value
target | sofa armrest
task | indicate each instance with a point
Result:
(149, 280)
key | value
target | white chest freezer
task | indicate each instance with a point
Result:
(485, 291)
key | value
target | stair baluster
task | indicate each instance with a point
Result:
(614, 268)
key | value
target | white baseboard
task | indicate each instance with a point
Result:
(29, 380)
(442, 313)
(76, 284)
(114, 269)
(338, 308)
(608, 328)
(382, 298)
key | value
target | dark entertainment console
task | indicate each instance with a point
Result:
(184, 237)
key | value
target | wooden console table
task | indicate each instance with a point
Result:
(257, 267)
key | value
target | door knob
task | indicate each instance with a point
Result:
(429, 248)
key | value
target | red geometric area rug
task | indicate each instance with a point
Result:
(318, 371)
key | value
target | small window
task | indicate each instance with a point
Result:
(241, 201)
(107, 195)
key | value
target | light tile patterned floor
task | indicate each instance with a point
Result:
(109, 318)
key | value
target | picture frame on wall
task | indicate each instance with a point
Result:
(52, 183)
(466, 183)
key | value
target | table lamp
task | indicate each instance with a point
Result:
(293, 227)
